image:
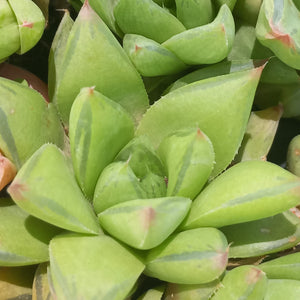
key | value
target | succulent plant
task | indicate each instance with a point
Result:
(107, 195)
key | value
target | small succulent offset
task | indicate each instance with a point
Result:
(105, 196)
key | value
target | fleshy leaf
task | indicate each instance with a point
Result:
(189, 257)
(92, 267)
(46, 188)
(40, 287)
(293, 155)
(155, 293)
(248, 191)
(7, 171)
(282, 289)
(205, 44)
(145, 223)
(24, 239)
(188, 156)
(199, 105)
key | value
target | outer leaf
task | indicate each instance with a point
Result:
(190, 257)
(282, 289)
(145, 223)
(278, 29)
(99, 129)
(145, 17)
(25, 116)
(264, 236)
(31, 23)
(189, 158)
(46, 188)
(245, 282)
(206, 44)
(103, 64)
(199, 105)
(24, 239)
(85, 267)
(260, 133)
(293, 155)
(248, 191)
(150, 58)
(284, 267)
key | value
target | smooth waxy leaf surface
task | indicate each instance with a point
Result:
(103, 64)
(278, 28)
(46, 188)
(145, 17)
(263, 236)
(145, 223)
(199, 105)
(189, 257)
(150, 58)
(99, 128)
(293, 155)
(282, 289)
(189, 158)
(285, 267)
(248, 191)
(206, 44)
(24, 239)
(245, 282)
(86, 267)
(22, 107)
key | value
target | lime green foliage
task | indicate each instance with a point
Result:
(285, 267)
(260, 133)
(99, 128)
(189, 257)
(189, 158)
(91, 267)
(206, 44)
(27, 122)
(145, 17)
(24, 239)
(150, 58)
(153, 294)
(145, 223)
(199, 105)
(103, 64)
(245, 282)
(194, 13)
(41, 286)
(282, 289)
(263, 236)
(229, 3)
(46, 188)
(248, 191)
(278, 28)
(293, 155)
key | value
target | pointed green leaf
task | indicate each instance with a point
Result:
(245, 282)
(46, 188)
(282, 289)
(24, 239)
(189, 158)
(99, 129)
(278, 28)
(145, 223)
(85, 267)
(145, 17)
(199, 105)
(248, 191)
(103, 64)
(206, 44)
(189, 257)
(31, 23)
(263, 236)
(150, 58)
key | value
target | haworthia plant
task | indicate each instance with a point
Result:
(189, 257)
(111, 71)
(189, 158)
(245, 282)
(248, 191)
(145, 223)
(46, 188)
(199, 105)
(278, 29)
(99, 128)
(101, 268)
